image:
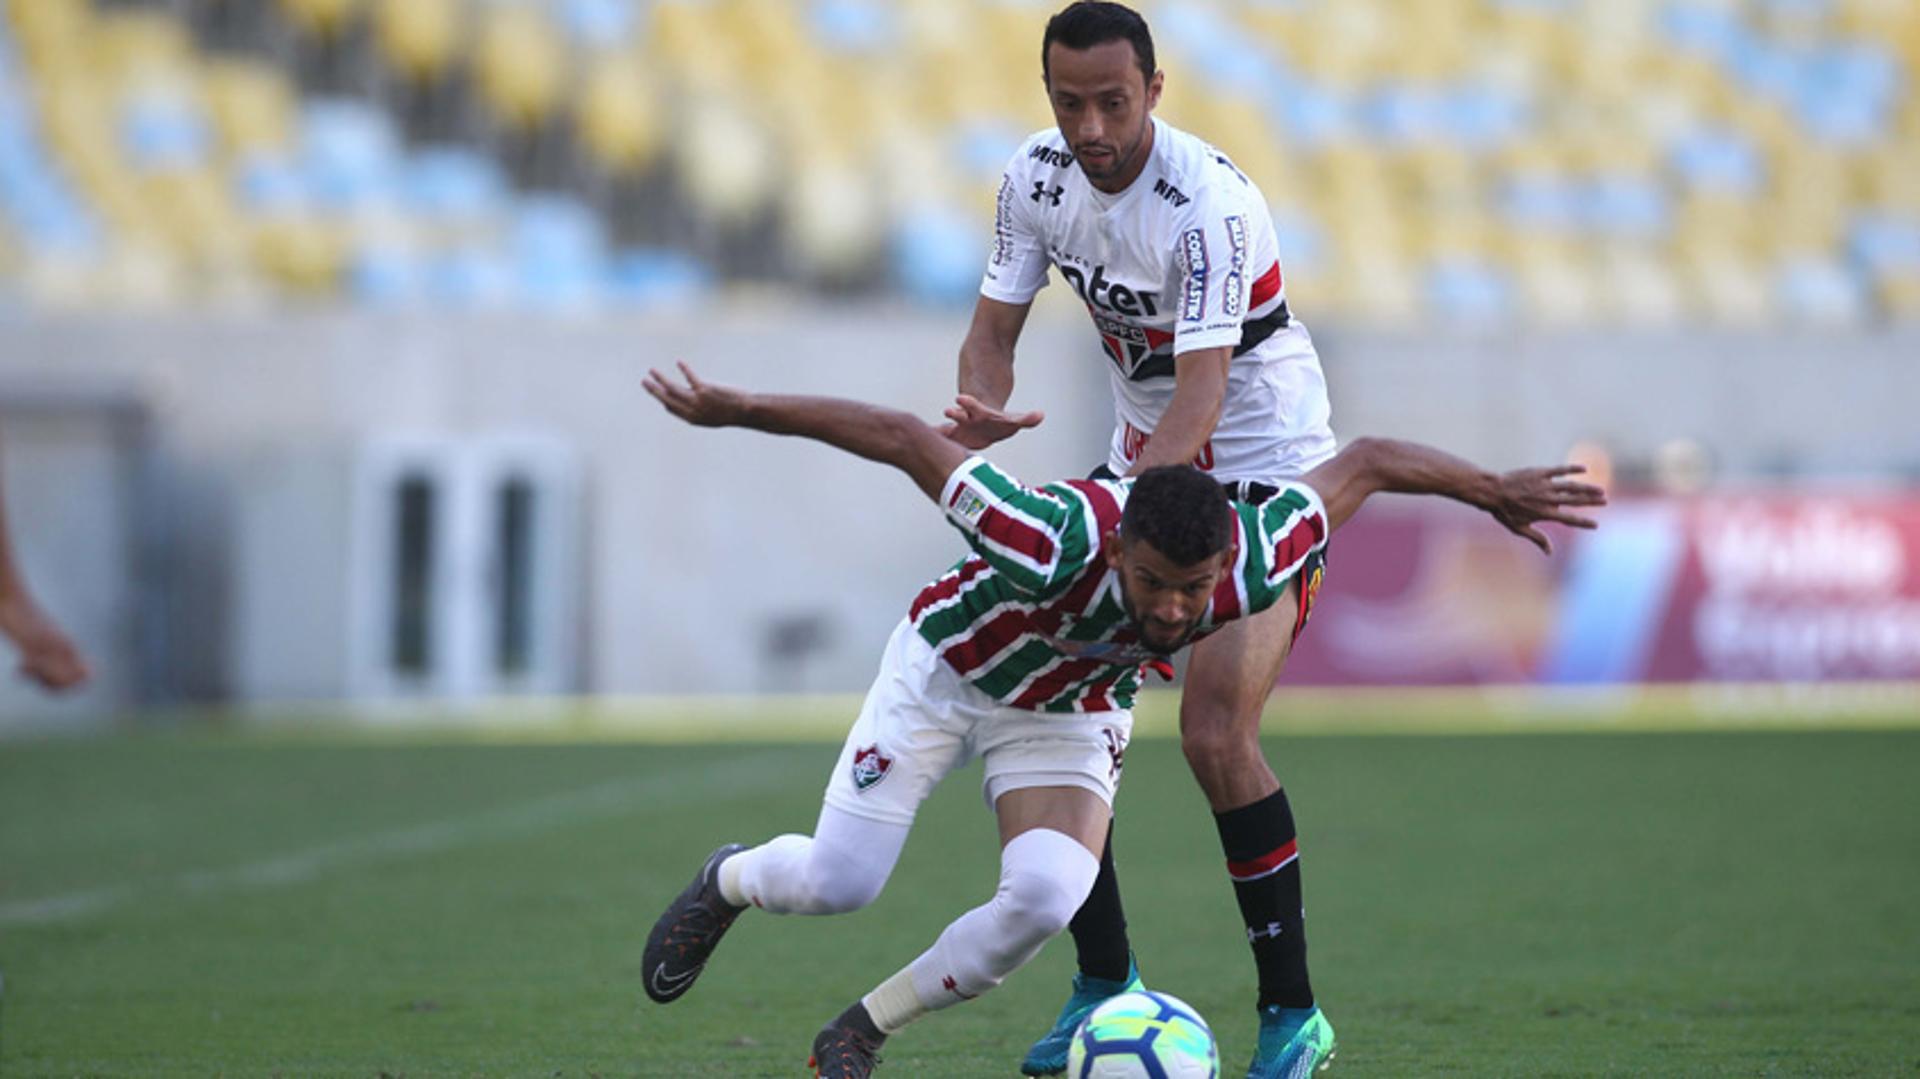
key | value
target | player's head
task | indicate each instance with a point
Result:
(1172, 548)
(1096, 60)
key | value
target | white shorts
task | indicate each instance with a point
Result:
(921, 720)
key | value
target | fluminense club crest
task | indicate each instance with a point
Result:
(869, 767)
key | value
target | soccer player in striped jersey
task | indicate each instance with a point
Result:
(1027, 654)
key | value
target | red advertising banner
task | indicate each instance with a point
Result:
(1775, 586)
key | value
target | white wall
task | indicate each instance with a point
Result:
(694, 540)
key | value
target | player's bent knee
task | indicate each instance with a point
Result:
(1212, 748)
(1044, 877)
(1038, 906)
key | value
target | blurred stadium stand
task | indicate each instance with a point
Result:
(1531, 162)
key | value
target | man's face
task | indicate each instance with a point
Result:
(1103, 105)
(1164, 599)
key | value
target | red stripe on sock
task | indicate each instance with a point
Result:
(1270, 862)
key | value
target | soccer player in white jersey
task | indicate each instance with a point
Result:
(1172, 250)
(1027, 654)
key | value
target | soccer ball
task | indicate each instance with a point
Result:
(1143, 1035)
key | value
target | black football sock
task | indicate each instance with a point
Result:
(1263, 860)
(858, 1019)
(1099, 927)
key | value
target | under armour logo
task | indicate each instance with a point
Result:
(1040, 191)
(1271, 931)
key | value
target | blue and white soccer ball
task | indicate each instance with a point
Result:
(1143, 1035)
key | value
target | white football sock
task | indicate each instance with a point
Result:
(841, 867)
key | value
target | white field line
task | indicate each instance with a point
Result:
(611, 798)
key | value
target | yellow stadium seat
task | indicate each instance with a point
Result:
(521, 64)
(322, 18)
(129, 43)
(252, 105)
(193, 210)
(1556, 284)
(1380, 285)
(1726, 286)
(1892, 177)
(418, 38)
(140, 275)
(52, 30)
(620, 114)
(1640, 285)
(1899, 297)
(726, 163)
(831, 229)
(306, 256)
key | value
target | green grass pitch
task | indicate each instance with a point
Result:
(1526, 905)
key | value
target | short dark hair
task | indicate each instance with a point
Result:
(1086, 23)
(1181, 511)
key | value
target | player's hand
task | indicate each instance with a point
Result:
(1529, 496)
(977, 425)
(702, 404)
(46, 655)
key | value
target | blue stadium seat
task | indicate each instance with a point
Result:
(599, 24)
(1819, 290)
(1543, 202)
(1718, 161)
(272, 184)
(34, 197)
(648, 277)
(1483, 118)
(350, 154)
(1468, 290)
(938, 255)
(382, 276)
(470, 278)
(852, 26)
(1624, 204)
(453, 183)
(162, 129)
(1397, 114)
(560, 250)
(1885, 243)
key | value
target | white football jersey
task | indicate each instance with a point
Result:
(1183, 259)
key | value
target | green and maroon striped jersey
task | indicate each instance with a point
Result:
(1034, 617)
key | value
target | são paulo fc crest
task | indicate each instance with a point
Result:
(869, 767)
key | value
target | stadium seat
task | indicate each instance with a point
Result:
(520, 65)
(1463, 145)
(418, 39)
(620, 114)
(1819, 291)
(322, 18)
(252, 106)
(349, 154)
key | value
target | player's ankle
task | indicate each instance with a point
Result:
(857, 1019)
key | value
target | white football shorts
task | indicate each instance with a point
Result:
(921, 721)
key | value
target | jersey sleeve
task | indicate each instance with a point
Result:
(1035, 540)
(1017, 265)
(1212, 258)
(1287, 529)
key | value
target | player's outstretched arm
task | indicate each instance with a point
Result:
(878, 434)
(47, 655)
(1519, 499)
